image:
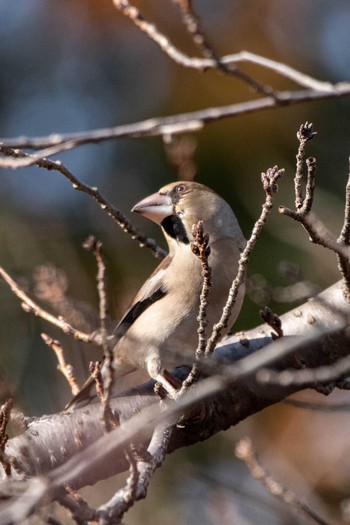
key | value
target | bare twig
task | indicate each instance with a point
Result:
(345, 232)
(95, 246)
(150, 416)
(322, 374)
(310, 186)
(31, 307)
(130, 489)
(344, 239)
(113, 212)
(5, 414)
(66, 369)
(201, 249)
(269, 180)
(142, 472)
(273, 320)
(31, 495)
(246, 452)
(318, 233)
(304, 134)
(95, 371)
(80, 511)
(181, 123)
(317, 407)
(192, 24)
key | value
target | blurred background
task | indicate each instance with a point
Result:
(76, 66)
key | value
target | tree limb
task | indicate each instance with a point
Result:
(72, 447)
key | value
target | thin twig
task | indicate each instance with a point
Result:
(160, 126)
(246, 452)
(133, 478)
(95, 371)
(66, 369)
(321, 374)
(117, 216)
(269, 180)
(317, 407)
(304, 134)
(201, 249)
(95, 246)
(310, 186)
(151, 416)
(5, 415)
(344, 239)
(192, 24)
(143, 471)
(31, 307)
(317, 231)
(273, 320)
(80, 511)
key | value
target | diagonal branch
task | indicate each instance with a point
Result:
(246, 452)
(140, 411)
(144, 469)
(191, 22)
(181, 123)
(22, 159)
(226, 64)
(65, 368)
(32, 307)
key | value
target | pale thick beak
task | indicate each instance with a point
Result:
(155, 207)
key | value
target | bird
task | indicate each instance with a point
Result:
(159, 329)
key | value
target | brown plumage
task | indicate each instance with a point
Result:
(159, 330)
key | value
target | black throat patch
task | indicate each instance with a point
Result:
(174, 227)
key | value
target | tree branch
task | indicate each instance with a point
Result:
(31, 307)
(181, 123)
(21, 159)
(246, 452)
(221, 400)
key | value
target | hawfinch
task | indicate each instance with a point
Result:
(159, 329)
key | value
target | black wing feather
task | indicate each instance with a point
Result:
(87, 392)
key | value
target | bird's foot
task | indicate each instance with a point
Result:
(170, 383)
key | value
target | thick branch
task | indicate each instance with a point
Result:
(215, 404)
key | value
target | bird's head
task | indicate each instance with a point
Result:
(179, 205)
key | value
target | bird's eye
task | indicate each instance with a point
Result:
(181, 188)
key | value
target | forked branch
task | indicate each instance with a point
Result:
(317, 231)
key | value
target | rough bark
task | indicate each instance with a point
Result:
(72, 447)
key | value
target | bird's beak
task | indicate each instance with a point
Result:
(155, 207)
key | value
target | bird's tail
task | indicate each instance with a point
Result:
(85, 395)
(88, 394)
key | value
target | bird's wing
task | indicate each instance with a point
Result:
(151, 291)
